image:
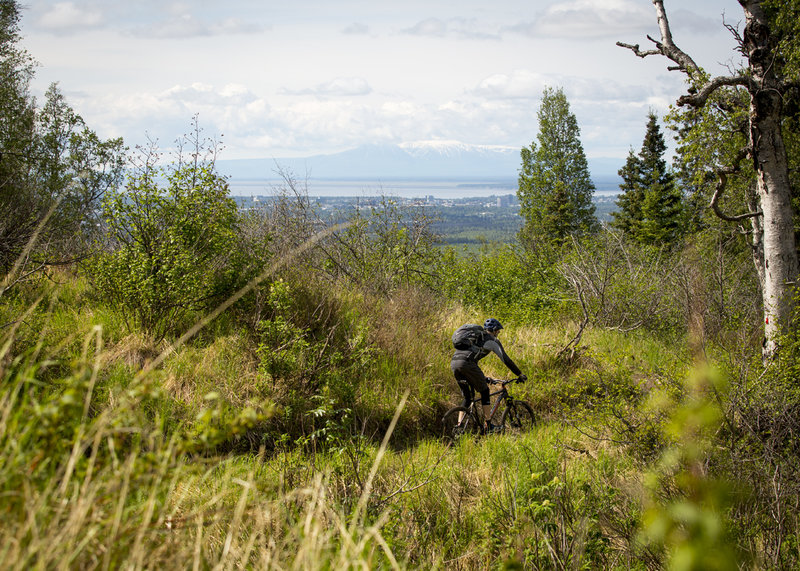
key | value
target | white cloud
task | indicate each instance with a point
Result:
(430, 27)
(340, 86)
(460, 28)
(255, 127)
(236, 26)
(67, 17)
(205, 94)
(356, 29)
(589, 19)
(520, 84)
(690, 22)
(182, 23)
(400, 109)
(358, 74)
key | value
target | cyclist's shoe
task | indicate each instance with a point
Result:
(491, 428)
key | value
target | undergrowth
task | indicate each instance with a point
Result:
(308, 438)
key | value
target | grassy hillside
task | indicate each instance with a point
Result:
(289, 417)
(118, 450)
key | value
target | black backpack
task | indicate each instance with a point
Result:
(469, 336)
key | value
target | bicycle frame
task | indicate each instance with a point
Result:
(504, 396)
(517, 415)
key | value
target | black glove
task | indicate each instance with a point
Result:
(522, 378)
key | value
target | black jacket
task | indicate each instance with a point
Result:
(491, 345)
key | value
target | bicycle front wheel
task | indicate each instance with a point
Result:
(518, 417)
(459, 422)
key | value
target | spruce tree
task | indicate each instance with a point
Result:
(650, 205)
(555, 188)
(629, 202)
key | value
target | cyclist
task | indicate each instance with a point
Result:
(469, 375)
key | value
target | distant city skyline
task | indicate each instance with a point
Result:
(294, 79)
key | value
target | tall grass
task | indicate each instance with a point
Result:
(119, 452)
(108, 488)
(104, 468)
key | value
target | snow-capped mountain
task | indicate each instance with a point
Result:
(451, 160)
(455, 149)
(428, 159)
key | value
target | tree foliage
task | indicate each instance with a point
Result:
(171, 239)
(384, 246)
(53, 169)
(650, 205)
(504, 281)
(555, 187)
(379, 244)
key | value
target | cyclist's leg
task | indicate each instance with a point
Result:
(463, 370)
(474, 375)
(469, 395)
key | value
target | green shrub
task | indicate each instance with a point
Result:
(505, 283)
(172, 249)
(687, 519)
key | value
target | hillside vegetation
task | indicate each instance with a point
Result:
(185, 384)
(278, 405)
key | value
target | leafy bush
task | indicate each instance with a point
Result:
(171, 250)
(687, 519)
(622, 286)
(383, 246)
(707, 290)
(312, 357)
(503, 282)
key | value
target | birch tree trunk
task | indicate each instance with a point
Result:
(772, 169)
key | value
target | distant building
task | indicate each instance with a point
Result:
(504, 201)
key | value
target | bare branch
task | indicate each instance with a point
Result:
(667, 46)
(638, 52)
(572, 346)
(722, 175)
(736, 36)
(700, 98)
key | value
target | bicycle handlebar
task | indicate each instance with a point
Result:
(503, 382)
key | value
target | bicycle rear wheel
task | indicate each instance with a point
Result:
(518, 417)
(453, 430)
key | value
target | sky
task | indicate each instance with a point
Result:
(295, 78)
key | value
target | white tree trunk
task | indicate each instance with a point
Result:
(772, 168)
(780, 269)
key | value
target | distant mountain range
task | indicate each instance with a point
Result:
(422, 160)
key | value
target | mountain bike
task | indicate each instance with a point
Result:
(517, 415)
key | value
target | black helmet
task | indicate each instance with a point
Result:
(492, 324)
